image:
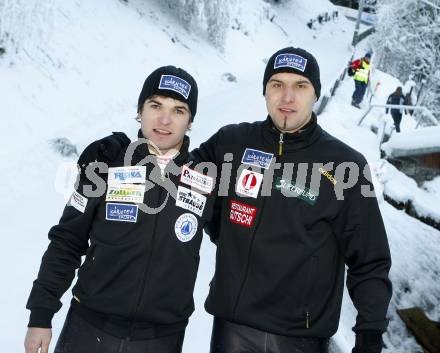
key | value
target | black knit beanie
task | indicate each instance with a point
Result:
(172, 82)
(294, 60)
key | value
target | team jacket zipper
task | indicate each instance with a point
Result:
(307, 313)
(280, 153)
(146, 271)
(309, 290)
(280, 144)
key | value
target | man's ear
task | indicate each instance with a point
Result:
(189, 126)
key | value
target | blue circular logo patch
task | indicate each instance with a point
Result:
(186, 227)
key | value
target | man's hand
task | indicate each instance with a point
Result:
(37, 337)
(104, 150)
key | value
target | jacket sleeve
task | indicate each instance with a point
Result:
(212, 227)
(363, 241)
(208, 152)
(69, 240)
(356, 64)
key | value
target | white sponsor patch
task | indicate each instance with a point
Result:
(125, 193)
(78, 201)
(186, 227)
(127, 175)
(195, 179)
(190, 200)
(248, 184)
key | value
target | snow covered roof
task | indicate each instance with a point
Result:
(412, 143)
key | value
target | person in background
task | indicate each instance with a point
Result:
(396, 98)
(360, 69)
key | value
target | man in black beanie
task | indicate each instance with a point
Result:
(134, 288)
(282, 241)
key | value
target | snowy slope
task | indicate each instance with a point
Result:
(415, 246)
(81, 80)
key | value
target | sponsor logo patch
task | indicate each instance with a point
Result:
(78, 201)
(195, 179)
(248, 184)
(175, 84)
(297, 191)
(127, 175)
(242, 214)
(125, 193)
(186, 227)
(330, 177)
(257, 158)
(121, 212)
(190, 200)
(290, 60)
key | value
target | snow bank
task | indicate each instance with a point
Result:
(403, 189)
(415, 142)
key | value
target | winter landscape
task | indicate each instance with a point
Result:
(73, 70)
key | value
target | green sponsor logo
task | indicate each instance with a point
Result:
(125, 192)
(300, 192)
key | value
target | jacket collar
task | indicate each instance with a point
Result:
(292, 141)
(142, 150)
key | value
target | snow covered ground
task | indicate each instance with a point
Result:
(415, 246)
(81, 80)
(426, 139)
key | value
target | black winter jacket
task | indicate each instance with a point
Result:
(395, 100)
(140, 268)
(281, 258)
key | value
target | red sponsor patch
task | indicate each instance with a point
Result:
(242, 214)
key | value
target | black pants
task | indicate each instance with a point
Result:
(228, 337)
(359, 91)
(397, 117)
(78, 336)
